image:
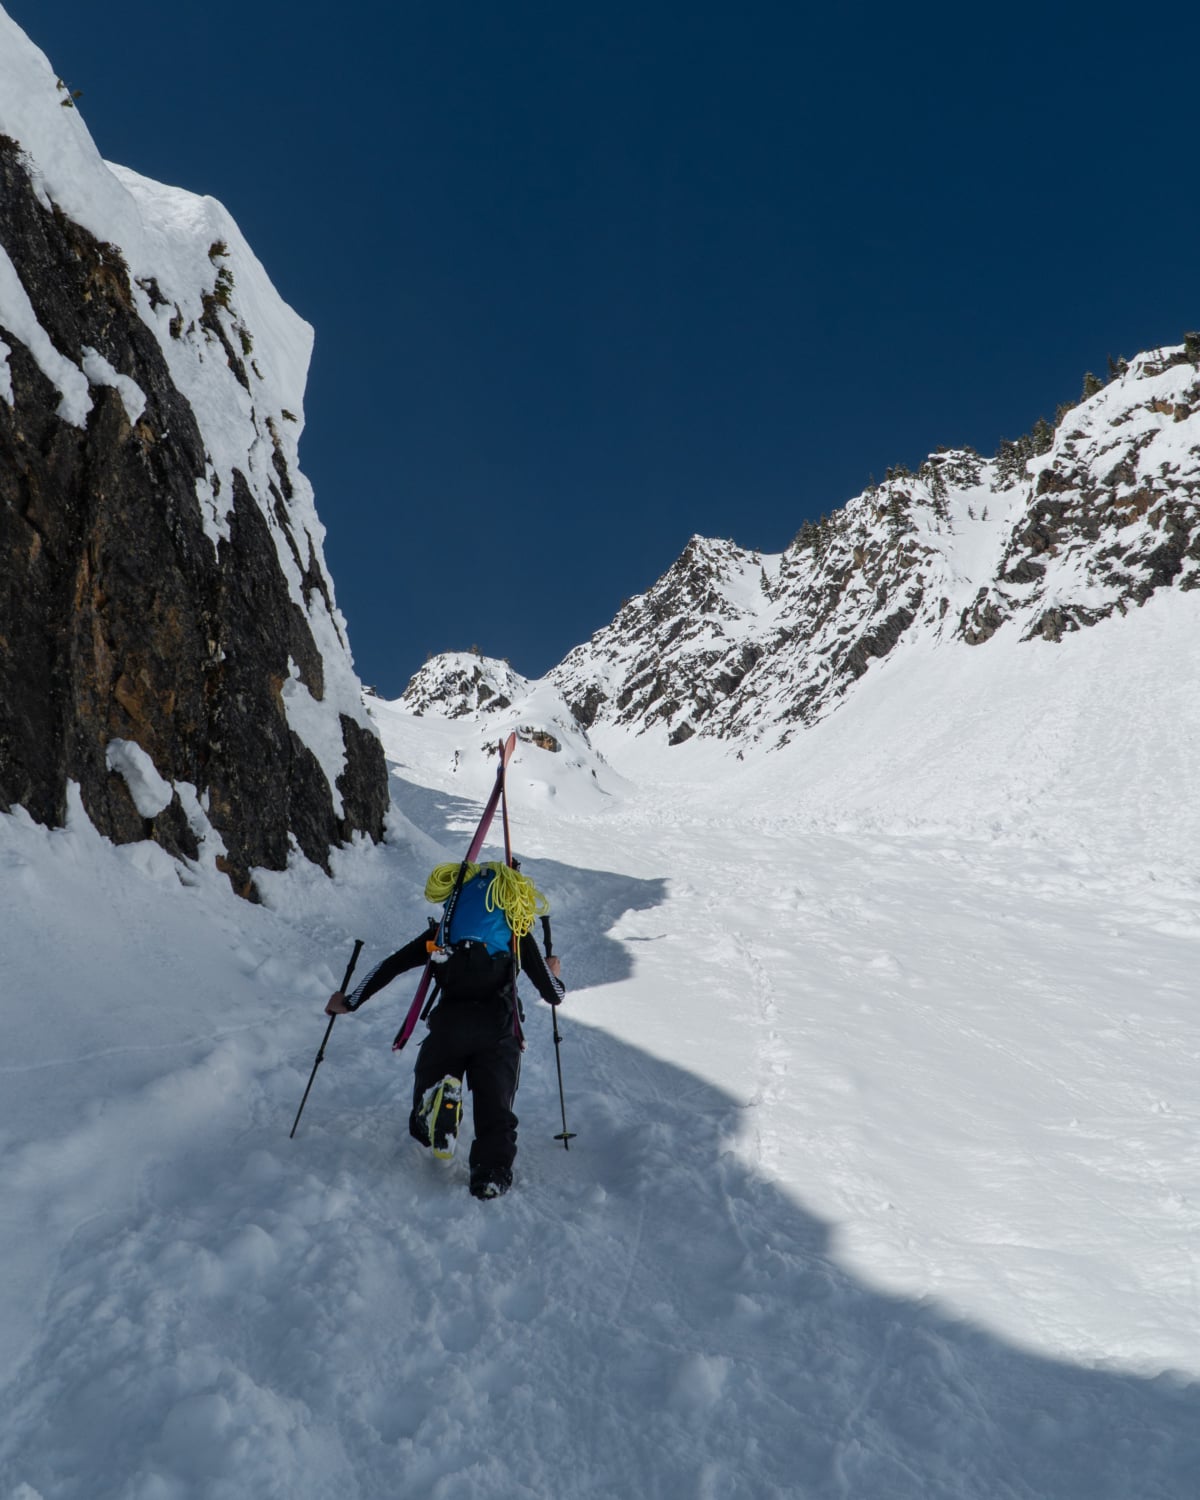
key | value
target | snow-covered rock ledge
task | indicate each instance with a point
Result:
(167, 581)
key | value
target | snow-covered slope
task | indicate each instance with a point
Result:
(880, 1050)
(1061, 530)
(469, 703)
(881, 1056)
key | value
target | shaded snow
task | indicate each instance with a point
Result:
(100, 372)
(881, 1054)
(18, 317)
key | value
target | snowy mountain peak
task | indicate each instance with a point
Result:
(474, 701)
(1111, 510)
(1059, 530)
(494, 700)
(457, 683)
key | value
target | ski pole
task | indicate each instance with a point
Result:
(325, 1038)
(565, 1136)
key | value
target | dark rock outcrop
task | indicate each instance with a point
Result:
(121, 618)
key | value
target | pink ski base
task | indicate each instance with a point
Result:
(476, 844)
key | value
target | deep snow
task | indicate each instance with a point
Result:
(881, 1051)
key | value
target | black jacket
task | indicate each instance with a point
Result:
(414, 955)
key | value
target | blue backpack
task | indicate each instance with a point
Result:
(476, 963)
(472, 920)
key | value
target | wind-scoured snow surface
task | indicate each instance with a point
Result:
(881, 1052)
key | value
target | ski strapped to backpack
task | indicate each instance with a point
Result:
(476, 844)
(514, 945)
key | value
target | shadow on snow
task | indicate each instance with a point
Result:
(778, 1371)
(709, 1343)
(584, 904)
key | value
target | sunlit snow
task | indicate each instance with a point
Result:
(881, 1052)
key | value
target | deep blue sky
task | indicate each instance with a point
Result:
(588, 278)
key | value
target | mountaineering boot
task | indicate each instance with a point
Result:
(440, 1112)
(490, 1184)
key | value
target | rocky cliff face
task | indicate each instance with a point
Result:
(1059, 531)
(168, 635)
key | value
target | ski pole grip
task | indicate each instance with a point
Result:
(546, 936)
(358, 946)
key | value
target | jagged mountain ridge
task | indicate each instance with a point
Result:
(490, 698)
(171, 645)
(742, 646)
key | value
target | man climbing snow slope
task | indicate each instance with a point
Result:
(484, 936)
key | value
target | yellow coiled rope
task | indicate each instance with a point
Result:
(515, 894)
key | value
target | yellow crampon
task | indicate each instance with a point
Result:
(515, 894)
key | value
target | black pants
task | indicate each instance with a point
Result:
(473, 1039)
